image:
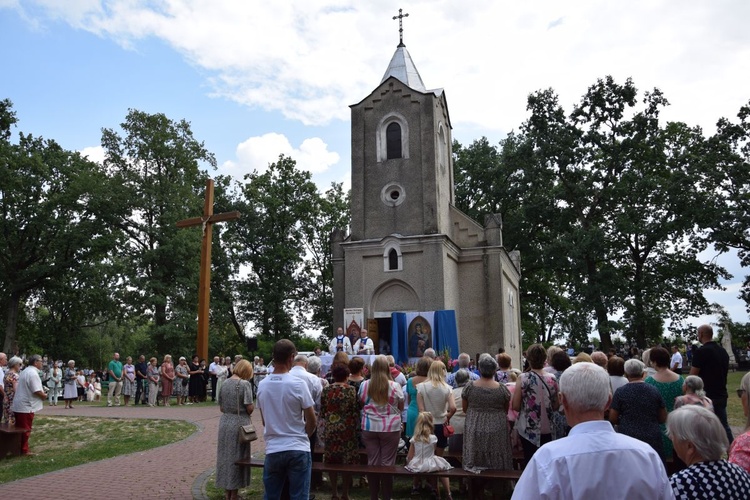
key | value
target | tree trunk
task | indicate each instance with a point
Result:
(9, 346)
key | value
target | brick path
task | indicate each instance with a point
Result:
(178, 470)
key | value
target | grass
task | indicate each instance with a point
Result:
(61, 442)
(734, 406)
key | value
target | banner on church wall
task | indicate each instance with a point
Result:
(353, 320)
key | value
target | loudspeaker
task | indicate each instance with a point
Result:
(252, 344)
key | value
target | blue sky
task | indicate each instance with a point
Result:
(257, 79)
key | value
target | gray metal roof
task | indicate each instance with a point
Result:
(402, 67)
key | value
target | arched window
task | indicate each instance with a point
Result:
(393, 140)
(393, 260)
(392, 137)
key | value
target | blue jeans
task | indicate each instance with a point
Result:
(294, 466)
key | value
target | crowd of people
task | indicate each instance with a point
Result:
(576, 421)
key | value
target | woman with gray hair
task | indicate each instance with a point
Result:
(456, 441)
(693, 394)
(486, 438)
(739, 453)
(637, 408)
(700, 441)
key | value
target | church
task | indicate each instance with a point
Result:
(416, 271)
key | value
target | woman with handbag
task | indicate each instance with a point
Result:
(236, 405)
(535, 400)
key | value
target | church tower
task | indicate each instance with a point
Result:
(409, 248)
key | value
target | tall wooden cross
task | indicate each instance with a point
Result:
(400, 18)
(204, 287)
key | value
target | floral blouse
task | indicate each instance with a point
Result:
(739, 452)
(536, 415)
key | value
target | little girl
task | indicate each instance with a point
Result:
(421, 456)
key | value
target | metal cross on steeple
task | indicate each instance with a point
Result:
(400, 18)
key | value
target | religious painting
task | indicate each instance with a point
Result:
(420, 336)
(353, 318)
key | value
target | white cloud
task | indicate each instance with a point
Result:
(94, 153)
(255, 154)
(309, 60)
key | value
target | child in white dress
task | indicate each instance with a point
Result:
(421, 456)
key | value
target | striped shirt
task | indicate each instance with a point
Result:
(381, 418)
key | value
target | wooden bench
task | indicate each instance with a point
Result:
(10, 440)
(401, 471)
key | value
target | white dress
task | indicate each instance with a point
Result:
(425, 459)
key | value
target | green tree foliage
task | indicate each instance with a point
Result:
(603, 204)
(331, 212)
(729, 184)
(277, 207)
(157, 161)
(58, 225)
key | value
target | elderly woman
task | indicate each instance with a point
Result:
(152, 375)
(616, 370)
(128, 380)
(10, 382)
(339, 410)
(700, 441)
(382, 401)
(236, 405)
(638, 408)
(167, 379)
(70, 389)
(504, 362)
(182, 379)
(535, 399)
(456, 441)
(693, 394)
(486, 436)
(739, 453)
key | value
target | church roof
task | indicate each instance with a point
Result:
(402, 67)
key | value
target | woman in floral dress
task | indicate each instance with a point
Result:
(182, 378)
(128, 380)
(9, 385)
(339, 409)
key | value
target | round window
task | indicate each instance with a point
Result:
(392, 194)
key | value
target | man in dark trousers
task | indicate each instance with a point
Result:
(141, 389)
(711, 364)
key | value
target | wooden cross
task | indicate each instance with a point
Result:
(204, 287)
(400, 18)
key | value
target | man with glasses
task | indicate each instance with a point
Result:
(29, 399)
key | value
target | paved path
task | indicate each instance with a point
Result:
(177, 470)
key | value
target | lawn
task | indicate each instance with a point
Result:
(61, 442)
(734, 406)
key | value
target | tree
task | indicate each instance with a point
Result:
(277, 206)
(158, 163)
(331, 212)
(58, 217)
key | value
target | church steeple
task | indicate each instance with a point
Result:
(401, 66)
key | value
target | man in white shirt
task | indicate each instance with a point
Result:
(288, 414)
(676, 362)
(340, 343)
(593, 460)
(364, 345)
(29, 399)
(313, 381)
(213, 370)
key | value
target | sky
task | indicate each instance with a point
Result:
(257, 79)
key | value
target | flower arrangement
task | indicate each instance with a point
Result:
(445, 357)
